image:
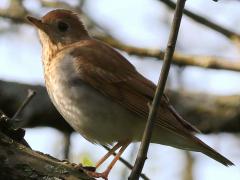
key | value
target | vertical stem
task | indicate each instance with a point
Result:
(142, 153)
(188, 169)
(67, 144)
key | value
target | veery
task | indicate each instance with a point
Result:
(101, 95)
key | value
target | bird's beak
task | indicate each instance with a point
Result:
(36, 22)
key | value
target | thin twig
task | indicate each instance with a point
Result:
(204, 21)
(142, 153)
(30, 95)
(127, 164)
(14, 122)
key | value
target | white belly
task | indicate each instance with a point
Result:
(90, 113)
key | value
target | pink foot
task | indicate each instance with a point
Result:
(103, 175)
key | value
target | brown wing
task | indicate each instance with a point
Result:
(110, 73)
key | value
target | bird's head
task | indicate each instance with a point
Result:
(59, 28)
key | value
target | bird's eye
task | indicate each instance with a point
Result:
(62, 26)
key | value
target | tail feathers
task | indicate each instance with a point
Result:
(205, 149)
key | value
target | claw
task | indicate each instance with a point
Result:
(103, 175)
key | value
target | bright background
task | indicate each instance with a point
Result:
(142, 23)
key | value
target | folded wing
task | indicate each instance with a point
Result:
(110, 73)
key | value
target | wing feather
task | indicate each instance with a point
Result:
(110, 73)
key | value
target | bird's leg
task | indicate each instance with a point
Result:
(116, 158)
(105, 174)
(104, 158)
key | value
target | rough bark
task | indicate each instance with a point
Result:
(209, 113)
(20, 162)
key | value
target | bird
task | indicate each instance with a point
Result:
(102, 95)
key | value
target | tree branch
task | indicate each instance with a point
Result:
(142, 153)
(15, 11)
(209, 113)
(20, 162)
(180, 59)
(234, 37)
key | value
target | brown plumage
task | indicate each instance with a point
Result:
(101, 95)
